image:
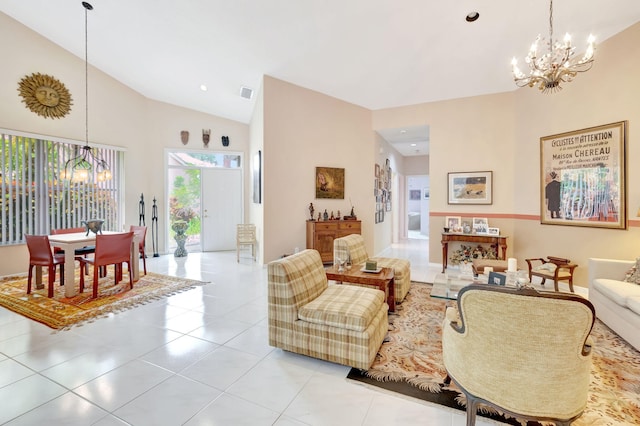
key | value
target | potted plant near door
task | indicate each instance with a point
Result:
(180, 219)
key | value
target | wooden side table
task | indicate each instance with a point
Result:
(382, 280)
(499, 240)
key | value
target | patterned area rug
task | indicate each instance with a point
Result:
(61, 312)
(410, 363)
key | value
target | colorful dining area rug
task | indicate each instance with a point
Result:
(410, 363)
(62, 312)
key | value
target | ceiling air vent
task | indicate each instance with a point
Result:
(246, 92)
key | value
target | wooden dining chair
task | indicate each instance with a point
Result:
(40, 254)
(246, 236)
(141, 233)
(111, 249)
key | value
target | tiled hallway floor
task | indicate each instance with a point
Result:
(197, 358)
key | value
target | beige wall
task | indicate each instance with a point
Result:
(416, 165)
(164, 123)
(304, 129)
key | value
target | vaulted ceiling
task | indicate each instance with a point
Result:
(373, 53)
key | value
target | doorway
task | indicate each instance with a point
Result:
(204, 189)
(221, 208)
(418, 206)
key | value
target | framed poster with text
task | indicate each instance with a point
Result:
(583, 177)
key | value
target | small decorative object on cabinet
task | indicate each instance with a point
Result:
(311, 210)
(320, 235)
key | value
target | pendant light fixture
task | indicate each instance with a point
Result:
(87, 164)
(556, 66)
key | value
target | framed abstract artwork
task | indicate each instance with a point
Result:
(470, 187)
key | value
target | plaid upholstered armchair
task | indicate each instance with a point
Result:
(353, 246)
(338, 323)
(524, 352)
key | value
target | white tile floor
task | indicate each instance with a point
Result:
(197, 358)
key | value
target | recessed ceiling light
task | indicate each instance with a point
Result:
(203, 87)
(414, 144)
(403, 131)
(472, 16)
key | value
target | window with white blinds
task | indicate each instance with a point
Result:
(35, 200)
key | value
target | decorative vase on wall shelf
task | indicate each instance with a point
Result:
(180, 227)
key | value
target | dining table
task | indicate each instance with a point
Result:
(70, 242)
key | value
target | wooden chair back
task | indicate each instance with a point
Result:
(246, 236)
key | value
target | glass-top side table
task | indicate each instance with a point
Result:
(447, 286)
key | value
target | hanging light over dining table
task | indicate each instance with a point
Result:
(87, 163)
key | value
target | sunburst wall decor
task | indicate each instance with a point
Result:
(45, 95)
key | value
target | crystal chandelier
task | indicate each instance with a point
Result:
(554, 67)
(81, 167)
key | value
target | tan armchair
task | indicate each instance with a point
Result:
(338, 323)
(524, 352)
(353, 247)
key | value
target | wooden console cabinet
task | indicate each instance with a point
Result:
(499, 240)
(320, 235)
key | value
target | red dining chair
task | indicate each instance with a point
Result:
(141, 233)
(111, 249)
(40, 255)
(83, 251)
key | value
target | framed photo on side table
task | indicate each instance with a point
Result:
(454, 223)
(496, 278)
(470, 187)
(480, 225)
(493, 231)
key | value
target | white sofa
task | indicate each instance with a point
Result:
(617, 302)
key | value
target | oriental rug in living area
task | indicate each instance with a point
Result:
(63, 312)
(410, 363)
